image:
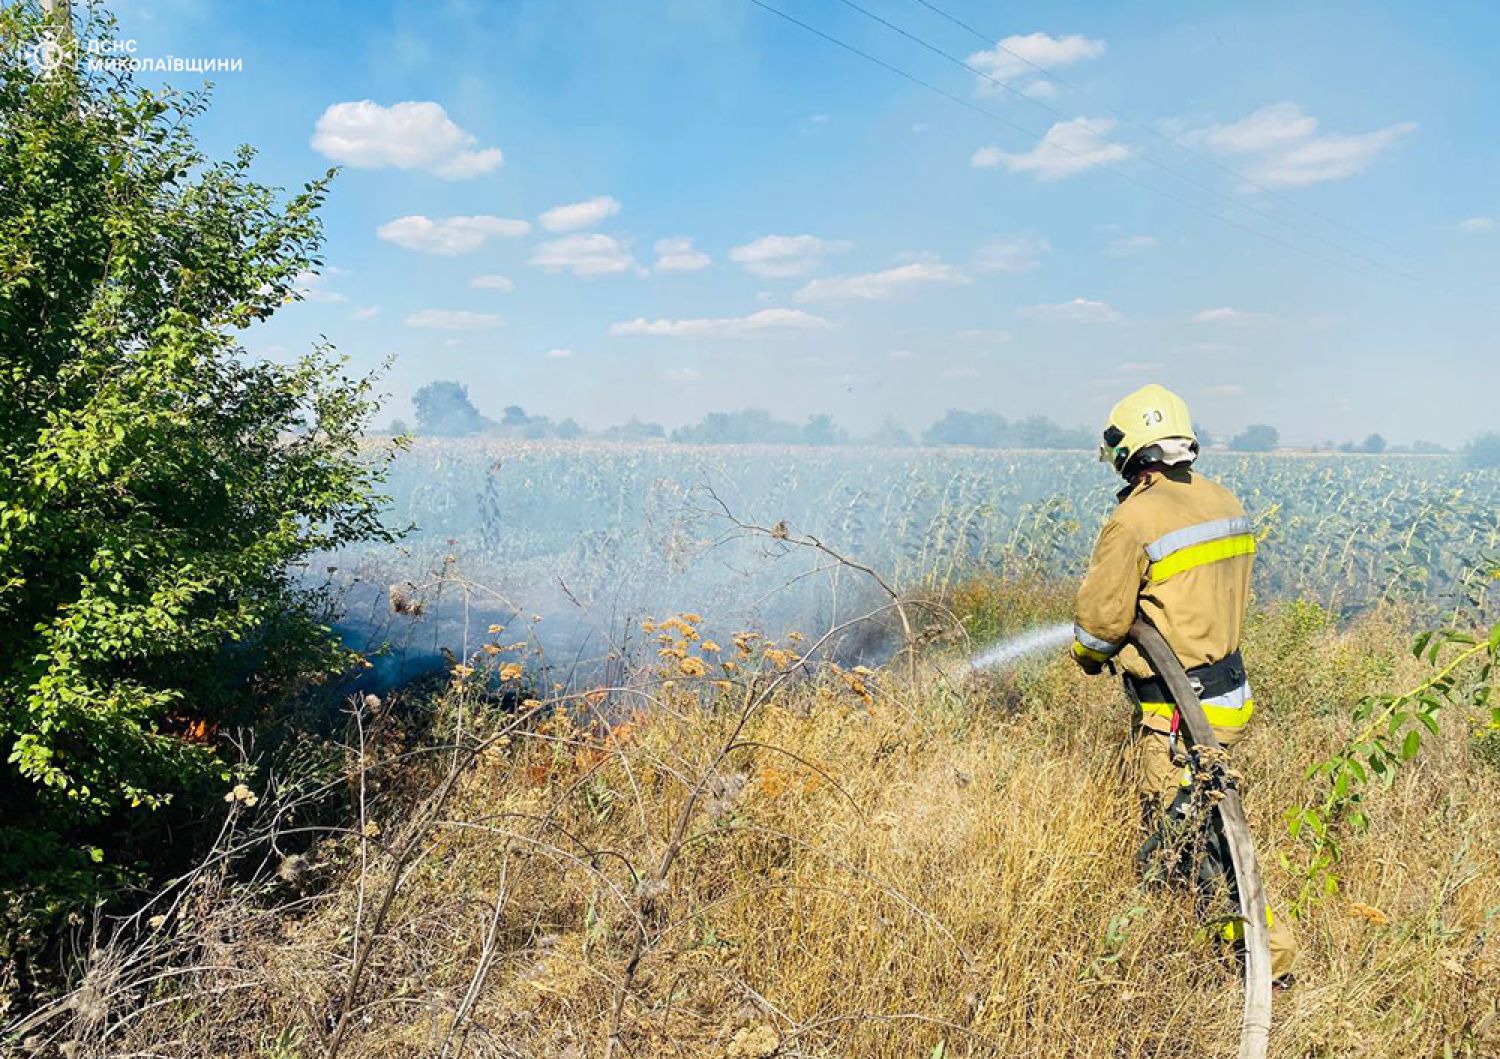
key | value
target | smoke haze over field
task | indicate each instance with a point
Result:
(609, 216)
(595, 537)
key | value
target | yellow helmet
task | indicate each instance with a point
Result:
(1151, 414)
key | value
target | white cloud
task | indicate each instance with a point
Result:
(1140, 367)
(821, 119)
(1042, 89)
(780, 256)
(1018, 56)
(1022, 254)
(1477, 224)
(584, 255)
(1329, 157)
(367, 135)
(1079, 310)
(365, 312)
(901, 354)
(312, 287)
(1261, 130)
(676, 254)
(1284, 149)
(559, 354)
(682, 375)
(1228, 389)
(765, 321)
(449, 235)
(992, 336)
(453, 320)
(576, 215)
(493, 282)
(1069, 147)
(960, 373)
(1228, 315)
(1126, 245)
(881, 286)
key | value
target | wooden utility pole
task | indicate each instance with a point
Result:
(1255, 1028)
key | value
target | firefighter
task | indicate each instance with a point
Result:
(1178, 550)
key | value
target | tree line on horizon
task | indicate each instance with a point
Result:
(443, 409)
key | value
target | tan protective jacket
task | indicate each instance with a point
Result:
(1178, 549)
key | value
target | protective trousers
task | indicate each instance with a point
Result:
(1159, 780)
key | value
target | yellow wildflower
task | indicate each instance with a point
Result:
(241, 793)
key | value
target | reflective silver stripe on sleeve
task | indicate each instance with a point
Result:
(1203, 532)
(1232, 700)
(1093, 643)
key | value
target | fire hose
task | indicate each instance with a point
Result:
(1255, 1026)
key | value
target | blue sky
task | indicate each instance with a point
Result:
(764, 219)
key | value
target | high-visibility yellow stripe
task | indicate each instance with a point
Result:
(1083, 651)
(1107, 648)
(1234, 930)
(1218, 716)
(1201, 555)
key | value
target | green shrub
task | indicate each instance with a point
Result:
(1485, 743)
(157, 487)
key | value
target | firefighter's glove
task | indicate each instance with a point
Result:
(1091, 662)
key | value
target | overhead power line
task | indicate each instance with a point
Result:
(1174, 141)
(1179, 174)
(1031, 134)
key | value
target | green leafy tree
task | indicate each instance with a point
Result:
(445, 411)
(822, 430)
(753, 426)
(635, 430)
(158, 487)
(986, 430)
(1483, 451)
(1256, 438)
(1039, 432)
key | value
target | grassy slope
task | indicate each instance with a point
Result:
(943, 865)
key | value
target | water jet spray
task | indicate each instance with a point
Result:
(1022, 645)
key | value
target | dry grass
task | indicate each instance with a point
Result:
(940, 871)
